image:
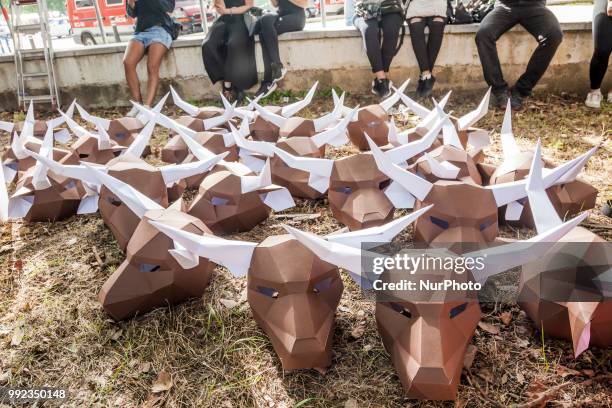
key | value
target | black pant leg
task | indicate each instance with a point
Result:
(240, 66)
(602, 41)
(214, 51)
(419, 44)
(496, 23)
(434, 41)
(268, 37)
(371, 38)
(391, 25)
(270, 30)
(544, 26)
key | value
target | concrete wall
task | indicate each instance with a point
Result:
(95, 75)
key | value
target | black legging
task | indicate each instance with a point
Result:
(289, 18)
(380, 56)
(426, 50)
(602, 37)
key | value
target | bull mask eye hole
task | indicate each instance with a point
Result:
(114, 201)
(116, 153)
(457, 310)
(121, 136)
(149, 268)
(322, 285)
(83, 155)
(401, 310)
(486, 225)
(344, 190)
(71, 184)
(219, 201)
(384, 184)
(270, 292)
(439, 222)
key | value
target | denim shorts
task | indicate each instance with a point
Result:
(152, 35)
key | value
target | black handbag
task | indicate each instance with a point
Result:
(392, 6)
(176, 30)
(251, 18)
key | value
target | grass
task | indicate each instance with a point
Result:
(53, 331)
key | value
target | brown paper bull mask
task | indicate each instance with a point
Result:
(567, 292)
(42, 195)
(231, 199)
(176, 151)
(356, 192)
(266, 131)
(292, 292)
(150, 277)
(297, 163)
(455, 218)
(426, 333)
(297, 126)
(153, 274)
(569, 197)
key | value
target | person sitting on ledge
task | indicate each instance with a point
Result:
(228, 51)
(431, 14)
(289, 17)
(153, 36)
(541, 23)
(371, 18)
(602, 41)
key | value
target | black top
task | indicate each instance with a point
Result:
(286, 7)
(150, 13)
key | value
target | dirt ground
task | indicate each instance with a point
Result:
(210, 352)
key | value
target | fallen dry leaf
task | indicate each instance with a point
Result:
(488, 327)
(228, 303)
(520, 378)
(470, 354)
(144, 367)
(506, 318)
(351, 403)
(358, 331)
(564, 371)
(17, 336)
(163, 382)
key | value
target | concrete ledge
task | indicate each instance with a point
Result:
(332, 56)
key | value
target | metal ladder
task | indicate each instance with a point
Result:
(33, 59)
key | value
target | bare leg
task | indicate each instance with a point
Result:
(133, 55)
(154, 59)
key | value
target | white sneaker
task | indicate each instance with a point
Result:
(593, 100)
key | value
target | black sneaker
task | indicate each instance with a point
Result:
(381, 87)
(419, 90)
(428, 85)
(516, 100)
(238, 95)
(278, 72)
(265, 89)
(500, 99)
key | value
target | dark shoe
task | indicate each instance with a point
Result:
(516, 100)
(278, 72)
(265, 89)
(419, 90)
(500, 99)
(428, 85)
(606, 209)
(381, 87)
(238, 95)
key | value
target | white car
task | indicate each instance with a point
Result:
(60, 27)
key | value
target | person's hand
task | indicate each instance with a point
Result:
(132, 3)
(610, 8)
(222, 10)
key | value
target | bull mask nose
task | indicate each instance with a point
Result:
(432, 383)
(306, 345)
